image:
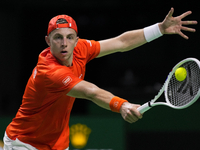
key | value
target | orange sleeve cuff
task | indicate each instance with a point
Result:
(115, 103)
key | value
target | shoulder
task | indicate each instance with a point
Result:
(89, 48)
(84, 43)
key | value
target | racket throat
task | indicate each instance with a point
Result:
(149, 104)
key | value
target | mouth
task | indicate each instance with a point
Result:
(63, 52)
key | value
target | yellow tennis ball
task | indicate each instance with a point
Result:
(180, 74)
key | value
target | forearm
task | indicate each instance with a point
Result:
(132, 39)
(101, 97)
(89, 91)
(124, 42)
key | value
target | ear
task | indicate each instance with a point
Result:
(77, 40)
(47, 39)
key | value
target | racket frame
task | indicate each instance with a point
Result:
(152, 102)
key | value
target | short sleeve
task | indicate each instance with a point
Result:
(61, 80)
(88, 48)
(93, 48)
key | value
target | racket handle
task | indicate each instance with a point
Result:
(144, 108)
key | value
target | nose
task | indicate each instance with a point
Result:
(64, 42)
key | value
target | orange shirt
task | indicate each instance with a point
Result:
(43, 117)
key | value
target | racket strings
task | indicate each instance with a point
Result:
(182, 93)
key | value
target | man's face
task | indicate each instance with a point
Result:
(62, 42)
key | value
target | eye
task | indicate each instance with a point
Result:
(58, 37)
(70, 37)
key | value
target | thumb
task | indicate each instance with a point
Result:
(170, 12)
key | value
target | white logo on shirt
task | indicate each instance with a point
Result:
(89, 43)
(67, 80)
(80, 76)
(35, 72)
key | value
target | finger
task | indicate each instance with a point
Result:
(188, 29)
(132, 118)
(170, 13)
(131, 121)
(183, 35)
(137, 113)
(189, 22)
(185, 14)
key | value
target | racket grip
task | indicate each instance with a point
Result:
(144, 108)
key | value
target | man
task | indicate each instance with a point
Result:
(42, 120)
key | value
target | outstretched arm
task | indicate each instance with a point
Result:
(132, 39)
(103, 98)
(124, 42)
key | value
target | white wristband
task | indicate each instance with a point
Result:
(152, 32)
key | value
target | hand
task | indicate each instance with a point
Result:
(174, 25)
(129, 112)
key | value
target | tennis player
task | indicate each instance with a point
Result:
(58, 78)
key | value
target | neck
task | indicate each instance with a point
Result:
(67, 62)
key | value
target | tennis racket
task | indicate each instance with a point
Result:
(178, 94)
